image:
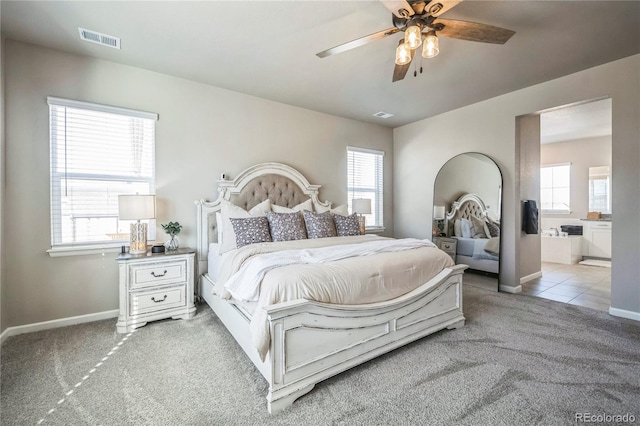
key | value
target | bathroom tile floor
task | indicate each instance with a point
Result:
(582, 285)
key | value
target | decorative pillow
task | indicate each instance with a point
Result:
(465, 228)
(494, 228)
(251, 230)
(457, 228)
(319, 225)
(306, 205)
(341, 209)
(347, 225)
(229, 211)
(286, 226)
(477, 228)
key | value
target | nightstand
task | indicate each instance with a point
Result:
(447, 245)
(155, 286)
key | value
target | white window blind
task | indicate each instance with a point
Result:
(97, 153)
(365, 180)
(555, 188)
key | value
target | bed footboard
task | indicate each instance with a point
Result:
(313, 341)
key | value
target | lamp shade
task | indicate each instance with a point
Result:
(438, 212)
(136, 207)
(361, 205)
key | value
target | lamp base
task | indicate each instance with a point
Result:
(138, 238)
(362, 221)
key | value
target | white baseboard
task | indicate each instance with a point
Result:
(624, 314)
(510, 289)
(530, 277)
(62, 322)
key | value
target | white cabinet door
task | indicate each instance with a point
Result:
(598, 239)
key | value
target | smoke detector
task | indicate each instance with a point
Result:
(382, 114)
(99, 38)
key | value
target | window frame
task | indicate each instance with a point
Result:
(56, 178)
(554, 187)
(377, 205)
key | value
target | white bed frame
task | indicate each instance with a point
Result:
(312, 341)
(464, 207)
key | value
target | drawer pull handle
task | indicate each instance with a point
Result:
(159, 275)
(158, 301)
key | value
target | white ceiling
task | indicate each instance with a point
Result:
(585, 120)
(267, 49)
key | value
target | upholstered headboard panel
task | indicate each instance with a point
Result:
(281, 190)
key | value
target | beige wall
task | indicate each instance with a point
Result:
(3, 310)
(489, 127)
(202, 132)
(582, 154)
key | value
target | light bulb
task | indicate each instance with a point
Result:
(403, 54)
(431, 46)
(413, 36)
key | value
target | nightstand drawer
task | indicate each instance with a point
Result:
(448, 246)
(150, 301)
(158, 274)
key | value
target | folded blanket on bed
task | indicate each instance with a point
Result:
(245, 283)
(480, 252)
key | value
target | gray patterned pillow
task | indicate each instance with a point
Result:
(347, 225)
(286, 226)
(494, 229)
(251, 230)
(319, 225)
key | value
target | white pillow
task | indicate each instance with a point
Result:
(342, 209)
(457, 228)
(219, 222)
(306, 205)
(465, 227)
(229, 211)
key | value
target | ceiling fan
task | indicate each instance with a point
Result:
(422, 18)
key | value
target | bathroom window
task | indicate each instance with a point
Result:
(555, 188)
(599, 189)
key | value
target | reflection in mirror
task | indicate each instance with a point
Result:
(466, 216)
(600, 189)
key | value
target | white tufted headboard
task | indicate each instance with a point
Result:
(464, 207)
(282, 184)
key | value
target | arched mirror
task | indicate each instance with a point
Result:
(467, 208)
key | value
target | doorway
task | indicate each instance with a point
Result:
(575, 205)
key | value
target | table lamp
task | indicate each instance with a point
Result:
(137, 207)
(438, 216)
(361, 206)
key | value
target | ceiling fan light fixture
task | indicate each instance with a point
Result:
(431, 46)
(413, 36)
(403, 54)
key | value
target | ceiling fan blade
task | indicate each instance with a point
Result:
(357, 42)
(438, 7)
(472, 31)
(400, 8)
(401, 70)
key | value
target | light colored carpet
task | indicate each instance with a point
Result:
(518, 360)
(596, 262)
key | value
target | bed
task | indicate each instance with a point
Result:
(310, 341)
(480, 251)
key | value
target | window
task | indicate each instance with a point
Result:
(599, 189)
(365, 180)
(555, 186)
(97, 153)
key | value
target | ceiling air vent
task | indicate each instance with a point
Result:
(382, 114)
(99, 38)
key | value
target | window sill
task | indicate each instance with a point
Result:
(375, 229)
(63, 251)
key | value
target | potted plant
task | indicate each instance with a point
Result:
(173, 229)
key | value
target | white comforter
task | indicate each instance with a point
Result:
(330, 270)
